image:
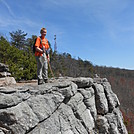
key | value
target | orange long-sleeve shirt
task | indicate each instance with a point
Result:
(38, 44)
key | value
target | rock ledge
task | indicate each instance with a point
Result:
(64, 106)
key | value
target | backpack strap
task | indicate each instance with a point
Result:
(41, 44)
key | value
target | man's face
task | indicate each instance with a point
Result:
(44, 32)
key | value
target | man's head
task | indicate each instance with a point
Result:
(43, 31)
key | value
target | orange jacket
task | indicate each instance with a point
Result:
(38, 44)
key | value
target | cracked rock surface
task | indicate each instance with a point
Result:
(63, 106)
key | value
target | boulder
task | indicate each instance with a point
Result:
(64, 106)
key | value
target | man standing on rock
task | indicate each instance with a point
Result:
(42, 56)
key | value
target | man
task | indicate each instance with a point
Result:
(42, 55)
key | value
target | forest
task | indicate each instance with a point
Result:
(18, 55)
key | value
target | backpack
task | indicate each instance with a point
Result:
(34, 44)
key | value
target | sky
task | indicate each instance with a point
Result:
(99, 31)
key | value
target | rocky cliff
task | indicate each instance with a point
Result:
(63, 106)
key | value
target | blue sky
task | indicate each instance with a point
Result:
(98, 31)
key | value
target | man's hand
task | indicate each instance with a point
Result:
(39, 50)
(44, 49)
(48, 58)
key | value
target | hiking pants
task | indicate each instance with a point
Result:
(42, 67)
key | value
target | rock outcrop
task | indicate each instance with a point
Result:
(63, 106)
(5, 76)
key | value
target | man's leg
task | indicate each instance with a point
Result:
(39, 69)
(45, 71)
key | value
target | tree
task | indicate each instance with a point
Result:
(30, 41)
(18, 39)
(22, 64)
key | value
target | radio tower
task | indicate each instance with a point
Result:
(55, 45)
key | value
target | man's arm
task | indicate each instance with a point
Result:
(39, 50)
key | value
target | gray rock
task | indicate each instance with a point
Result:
(102, 124)
(7, 90)
(7, 100)
(5, 81)
(19, 118)
(68, 91)
(83, 82)
(5, 74)
(44, 105)
(81, 112)
(62, 121)
(101, 100)
(3, 67)
(10, 80)
(89, 100)
(1, 132)
(111, 97)
(64, 106)
(5, 78)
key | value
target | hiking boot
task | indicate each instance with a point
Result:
(46, 80)
(40, 81)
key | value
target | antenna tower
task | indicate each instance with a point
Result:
(55, 45)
